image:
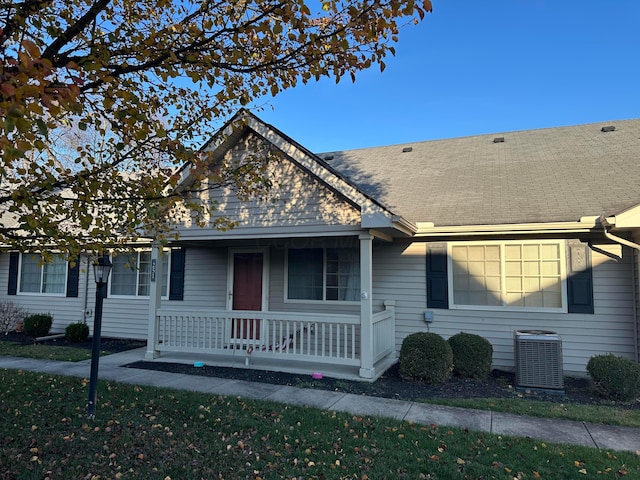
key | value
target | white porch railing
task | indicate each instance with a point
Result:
(384, 332)
(312, 337)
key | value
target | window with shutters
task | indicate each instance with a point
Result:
(525, 275)
(40, 277)
(131, 274)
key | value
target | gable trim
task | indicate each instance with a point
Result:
(374, 214)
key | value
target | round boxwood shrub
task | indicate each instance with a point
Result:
(616, 378)
(77, 332)
(38, 324)
(425, 357)
(472, 355)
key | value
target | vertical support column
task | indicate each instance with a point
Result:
(367, 370)
(155, 296)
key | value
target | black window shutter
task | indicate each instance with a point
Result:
(14, 259)
(176, 276)
(73, 279)
(579, 278)
(437, 282)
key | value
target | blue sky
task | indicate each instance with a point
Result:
(479, 67)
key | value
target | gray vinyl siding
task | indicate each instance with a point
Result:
(65, 310)
(206, 273)
(121, 318)
(636, 284)
(124, 318)
(204, 287)
(296, 199)
(205, 279)
(400, 274)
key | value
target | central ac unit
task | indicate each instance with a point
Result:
(538, 360)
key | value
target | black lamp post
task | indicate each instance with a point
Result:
(101, 270)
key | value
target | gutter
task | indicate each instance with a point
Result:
(405, 226)
(614, 238)
(585, 225)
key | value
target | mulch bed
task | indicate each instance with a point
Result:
(499, 384)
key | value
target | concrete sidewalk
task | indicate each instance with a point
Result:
(603, 437)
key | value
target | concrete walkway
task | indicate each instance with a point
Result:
(592, 435)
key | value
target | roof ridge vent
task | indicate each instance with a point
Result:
(498, 140)
(407, 149)
(608, 128)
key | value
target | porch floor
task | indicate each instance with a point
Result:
(287, 365)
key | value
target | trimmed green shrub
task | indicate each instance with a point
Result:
(38, 324)
(616, 378)
(425, 357)
(77, 332)
(472, 355)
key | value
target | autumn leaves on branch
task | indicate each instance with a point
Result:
(102, 101)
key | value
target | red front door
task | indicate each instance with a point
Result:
(247, 291)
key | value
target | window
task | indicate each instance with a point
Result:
(517, 275)
(131, 274)
(323, 274)
(36, 276)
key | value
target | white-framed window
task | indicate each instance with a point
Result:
(323, 274)
(524, 275)
(40, 277)
(131, 274)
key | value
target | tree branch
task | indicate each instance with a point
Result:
(80, 25)
(23, 11)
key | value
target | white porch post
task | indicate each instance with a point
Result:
(155, 296)
(367, 370)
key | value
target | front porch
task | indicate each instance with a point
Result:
(333, 345)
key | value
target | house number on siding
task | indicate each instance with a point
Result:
(153, 270)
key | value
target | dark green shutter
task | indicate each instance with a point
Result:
(579, 278)
(73, 279)
(176, 276)
(14, 260)
(437, 282)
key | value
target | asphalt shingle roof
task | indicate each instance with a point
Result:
(546, 175)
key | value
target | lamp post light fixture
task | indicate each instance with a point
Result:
(101, 270)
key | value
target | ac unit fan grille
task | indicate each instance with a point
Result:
(539, 363)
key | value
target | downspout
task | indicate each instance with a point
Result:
(620, 240)
(624, 241)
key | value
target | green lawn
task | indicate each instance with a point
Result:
(145, 432)
(45, 352)
(606, 414)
